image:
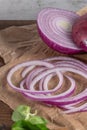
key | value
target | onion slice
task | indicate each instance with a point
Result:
(55, 29)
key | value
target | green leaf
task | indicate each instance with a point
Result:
(37, 120)
(26, 125)
(21, 113)
(30, 126)
(23, 110)
(42, 127)
(24, 120)
(18, 124)
(16, 116)
(18, 128)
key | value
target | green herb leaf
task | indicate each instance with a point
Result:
(25, 125)
(21, 113)
(16, 116)
(18, 128)
(30, 126)
(37, 120)
(42, 127)
(23, 110)
(24, 120)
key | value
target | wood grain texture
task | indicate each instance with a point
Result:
(7, 23)
(5, 111)
(5, 117)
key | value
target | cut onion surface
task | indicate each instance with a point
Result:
(79, 32)
(38, 74)
(55, 28)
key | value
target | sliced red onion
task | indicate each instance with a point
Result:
(67, 93)
(55, 28)
(41, 72)
(46, 73)
(50, 97)
(60, 76)
(70, 65)
(33, 74)
(63, 58)
(36, 63)
(47, 79)
(27, 70)
(71, 106)
(77, 109)
(70, 100)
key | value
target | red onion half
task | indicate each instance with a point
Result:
(36, 76)
(55, 28)
(79, 32)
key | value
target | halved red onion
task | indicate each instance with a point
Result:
(55, 28)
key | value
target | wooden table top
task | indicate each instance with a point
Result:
(5, 111)
(5, 117)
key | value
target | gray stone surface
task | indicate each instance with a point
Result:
(28, 9)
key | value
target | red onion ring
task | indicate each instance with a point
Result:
(33, 74)
(44, 83)
(45, 70)
(64, 94)
(44, 74)
(75, 99)
(72, 105)
(36, 63)
(49, 91)
(54, 26)
(28, 69)
(77, 109)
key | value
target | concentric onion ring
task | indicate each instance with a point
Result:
(55, 27)
(41, 71)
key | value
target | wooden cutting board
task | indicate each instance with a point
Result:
(18, 44)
